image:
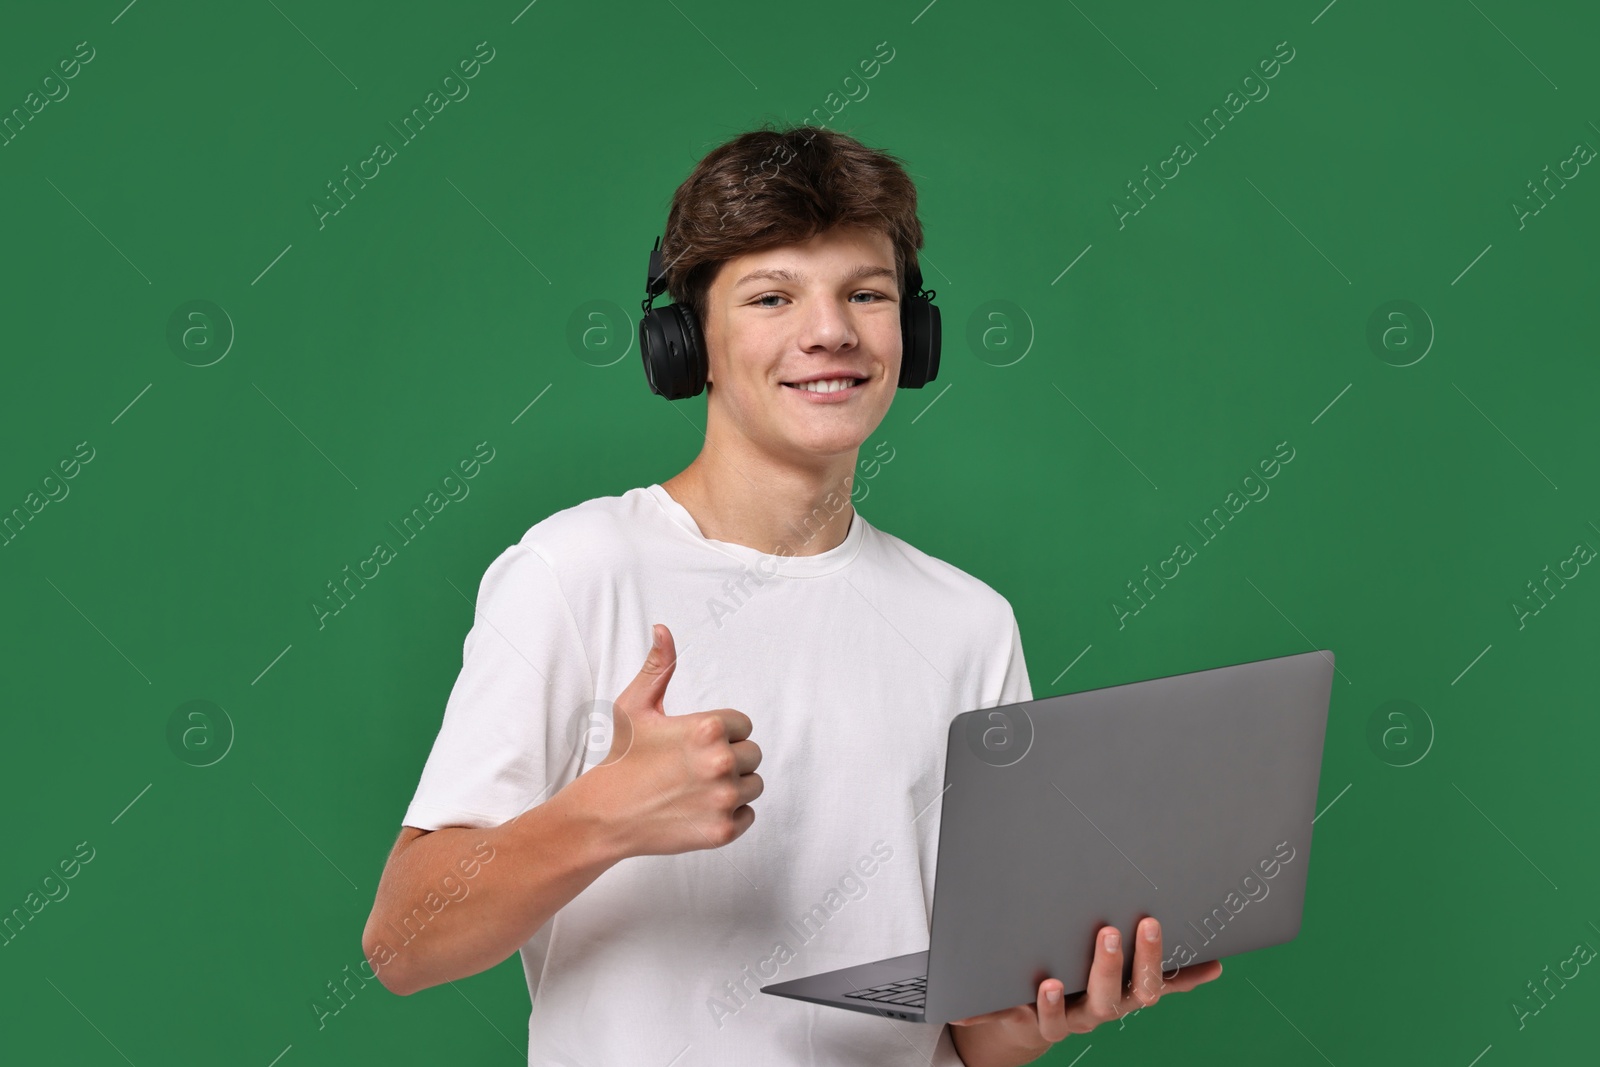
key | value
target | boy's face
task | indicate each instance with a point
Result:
(827, 305)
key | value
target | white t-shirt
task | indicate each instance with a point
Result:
(850, 664)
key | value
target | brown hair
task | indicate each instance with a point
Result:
(773, 186)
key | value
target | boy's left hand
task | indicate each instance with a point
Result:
(1053, 1017)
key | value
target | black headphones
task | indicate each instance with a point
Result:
(675, 356)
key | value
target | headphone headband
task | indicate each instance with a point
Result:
(655, 280)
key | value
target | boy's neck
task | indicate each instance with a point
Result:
(773, 508)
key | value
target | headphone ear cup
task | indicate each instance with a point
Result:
(669, 345)
(696, 361)
(919, 343)
(651, 344)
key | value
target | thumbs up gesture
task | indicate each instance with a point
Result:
(673, 783)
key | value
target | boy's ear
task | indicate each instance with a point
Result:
(705, 344)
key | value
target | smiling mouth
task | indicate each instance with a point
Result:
(827, 385)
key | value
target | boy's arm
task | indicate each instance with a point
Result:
(522, 872)
(669, 784)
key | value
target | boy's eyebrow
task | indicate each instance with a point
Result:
(778, 274)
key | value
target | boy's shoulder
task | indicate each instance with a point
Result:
(597, 529)
(967, 589)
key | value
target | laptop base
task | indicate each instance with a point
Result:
(833, 987)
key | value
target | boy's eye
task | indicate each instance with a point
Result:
(778, 296)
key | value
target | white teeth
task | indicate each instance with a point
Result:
(827, 385)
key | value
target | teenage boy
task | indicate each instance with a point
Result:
(617, 845)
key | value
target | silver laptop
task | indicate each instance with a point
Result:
(1188, 797)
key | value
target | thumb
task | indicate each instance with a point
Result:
(649, 687)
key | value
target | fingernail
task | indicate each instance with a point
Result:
(1152, 930)
(1112, 941)
(1052, 995)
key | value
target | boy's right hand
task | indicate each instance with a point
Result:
(675, 783)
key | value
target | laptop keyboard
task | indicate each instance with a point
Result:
(910, 993)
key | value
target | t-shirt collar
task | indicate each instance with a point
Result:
(769, 563)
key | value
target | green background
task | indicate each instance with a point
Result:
(1105, 408)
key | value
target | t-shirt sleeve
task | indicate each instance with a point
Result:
(515, 725)
(1016, 688)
